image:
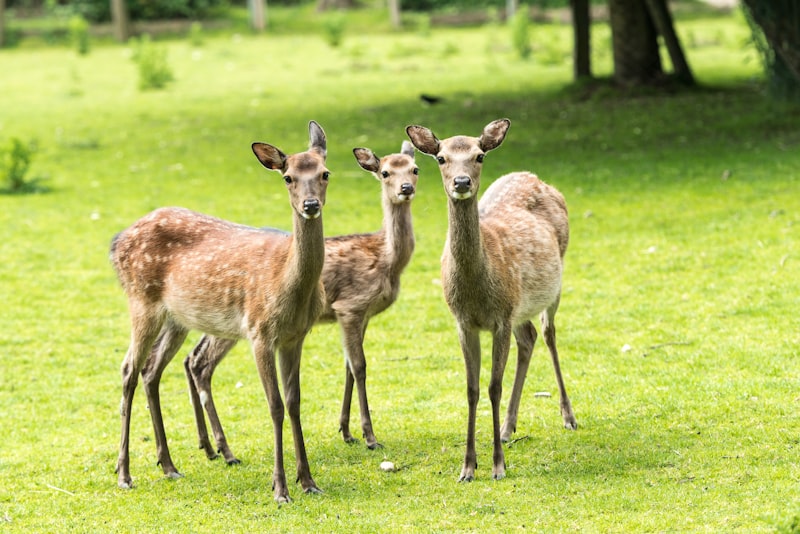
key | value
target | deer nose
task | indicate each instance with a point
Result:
(407, 189)
(462, 184)
(311, 208)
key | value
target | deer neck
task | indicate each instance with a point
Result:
(398, 231)
(464, 242)
(306, 256)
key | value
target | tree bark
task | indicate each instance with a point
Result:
(581, 27)
(394, 13)
(2, 23)
(634, 42)
(779, 21)
(659, 12)
(119, 18)
(258, 19)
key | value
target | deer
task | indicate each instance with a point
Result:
(502, 265)
(361, 277)
(182, 270)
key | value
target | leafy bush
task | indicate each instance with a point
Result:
(15, 161)
(79, 34)
(333, 27)
(100, 10)
(519, 32)
(154, 69)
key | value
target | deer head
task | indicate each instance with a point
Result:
(461, 157)
(396, 172)
(305, 173)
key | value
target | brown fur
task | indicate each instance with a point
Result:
(361, 277)
(502, 264)
(182, 270)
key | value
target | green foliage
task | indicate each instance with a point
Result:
(15, 161)
(333, 26)
(783, 83)
(79, 34)
(100, 10)
(151, 60)
(196, 34)
(683, 246)
(520, 32)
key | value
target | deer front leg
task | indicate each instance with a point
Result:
(265, 362)
(471, 349)
(525, 334)
(169, 342)
(500, 347)
(549, 327)
(353, 329)
(200, 366)
(290, 373)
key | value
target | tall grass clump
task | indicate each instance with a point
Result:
(79, 34)
(333, 27)
(154, 69)
(15, 161)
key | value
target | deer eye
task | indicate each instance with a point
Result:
(385, 174)
(287, 179)
(326, 175)
(440, 159)
(416, 170)
(479, 158)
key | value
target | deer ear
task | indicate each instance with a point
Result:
(423, 139)
(269, 156)
(493, 134)
(407, 149)
(367, 160)
(316, 139)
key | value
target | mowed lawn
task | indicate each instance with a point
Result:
(678, 328)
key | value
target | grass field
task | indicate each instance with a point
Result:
(678, 328)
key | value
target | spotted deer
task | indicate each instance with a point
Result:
(502, 265)
(183, 270)
(361, 276)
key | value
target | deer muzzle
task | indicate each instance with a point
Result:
(462, 187)
(312, 208)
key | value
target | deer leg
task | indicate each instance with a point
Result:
(525, 334)
(500, 346)
(200, 365)
(347, 399)
(144, 329)
(169, 342)
(265, 362)
(471, 349)
(290, 374)
(353, 329)
(549, 328)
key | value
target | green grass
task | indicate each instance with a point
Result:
(684, 246)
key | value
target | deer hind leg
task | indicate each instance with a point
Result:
(353, 330)
(525, 334)
(471, 349)
(549, 328)
(200, 365)
(290, 374)
(145, 327)
(166, 346)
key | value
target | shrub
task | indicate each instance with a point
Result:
(154, 69)
(519, 32)
(79, 34)
(15, 160)
(333, 26)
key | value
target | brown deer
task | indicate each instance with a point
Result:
(182, 270)
(501, 265)
(361, 276)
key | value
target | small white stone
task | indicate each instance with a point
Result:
(626, 348)
(386, 465)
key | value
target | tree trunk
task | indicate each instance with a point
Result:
(258, 13)
(119, 18)
(394, 13)
(581, 25)
(2, 23)
(635, 44)
(324, 5)
(511, 8)
(780, 22)
(659, 12)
